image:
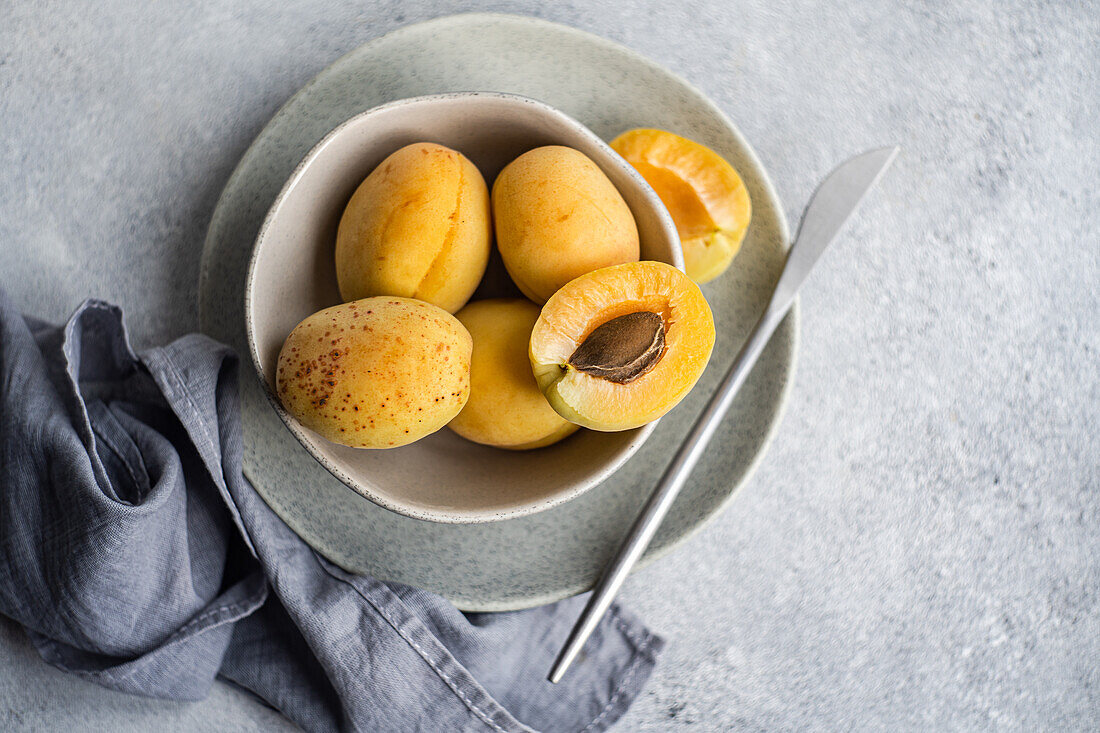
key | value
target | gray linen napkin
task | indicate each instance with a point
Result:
(137, 556)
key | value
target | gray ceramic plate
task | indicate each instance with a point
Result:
(559, 552)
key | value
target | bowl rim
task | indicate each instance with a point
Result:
(304, 437)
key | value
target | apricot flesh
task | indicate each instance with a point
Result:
(375, 373)
(506, 408)
(663, 334)
(557, 216)
(704, 194)
(419, 227)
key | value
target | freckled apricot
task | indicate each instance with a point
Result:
(704, 194)
(396, 359)
(506, 408)
(619, 347)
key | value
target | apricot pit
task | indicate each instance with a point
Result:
(623, 349)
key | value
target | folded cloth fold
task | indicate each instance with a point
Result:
(136, 555)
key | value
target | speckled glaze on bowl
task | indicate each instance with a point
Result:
(559, 552)
(291, 275)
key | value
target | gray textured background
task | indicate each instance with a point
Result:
(920, 548)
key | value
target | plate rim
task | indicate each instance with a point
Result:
(793, 316)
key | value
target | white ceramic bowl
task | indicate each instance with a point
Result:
(442, 478)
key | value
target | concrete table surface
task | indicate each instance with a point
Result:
(921, 547)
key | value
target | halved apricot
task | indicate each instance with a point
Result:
(618, 347)
(706, 197)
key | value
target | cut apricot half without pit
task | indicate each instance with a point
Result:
(618, 347)
(701, 190)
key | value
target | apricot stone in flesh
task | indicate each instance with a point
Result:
(375, 373)
(506, 408)
(619, 347)
(557, 216)
(704, 194)
(623, 349)
(418, 227)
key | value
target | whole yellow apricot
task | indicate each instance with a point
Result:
(418, 227)
(375, 373)
(557, 216)
(506, 408)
